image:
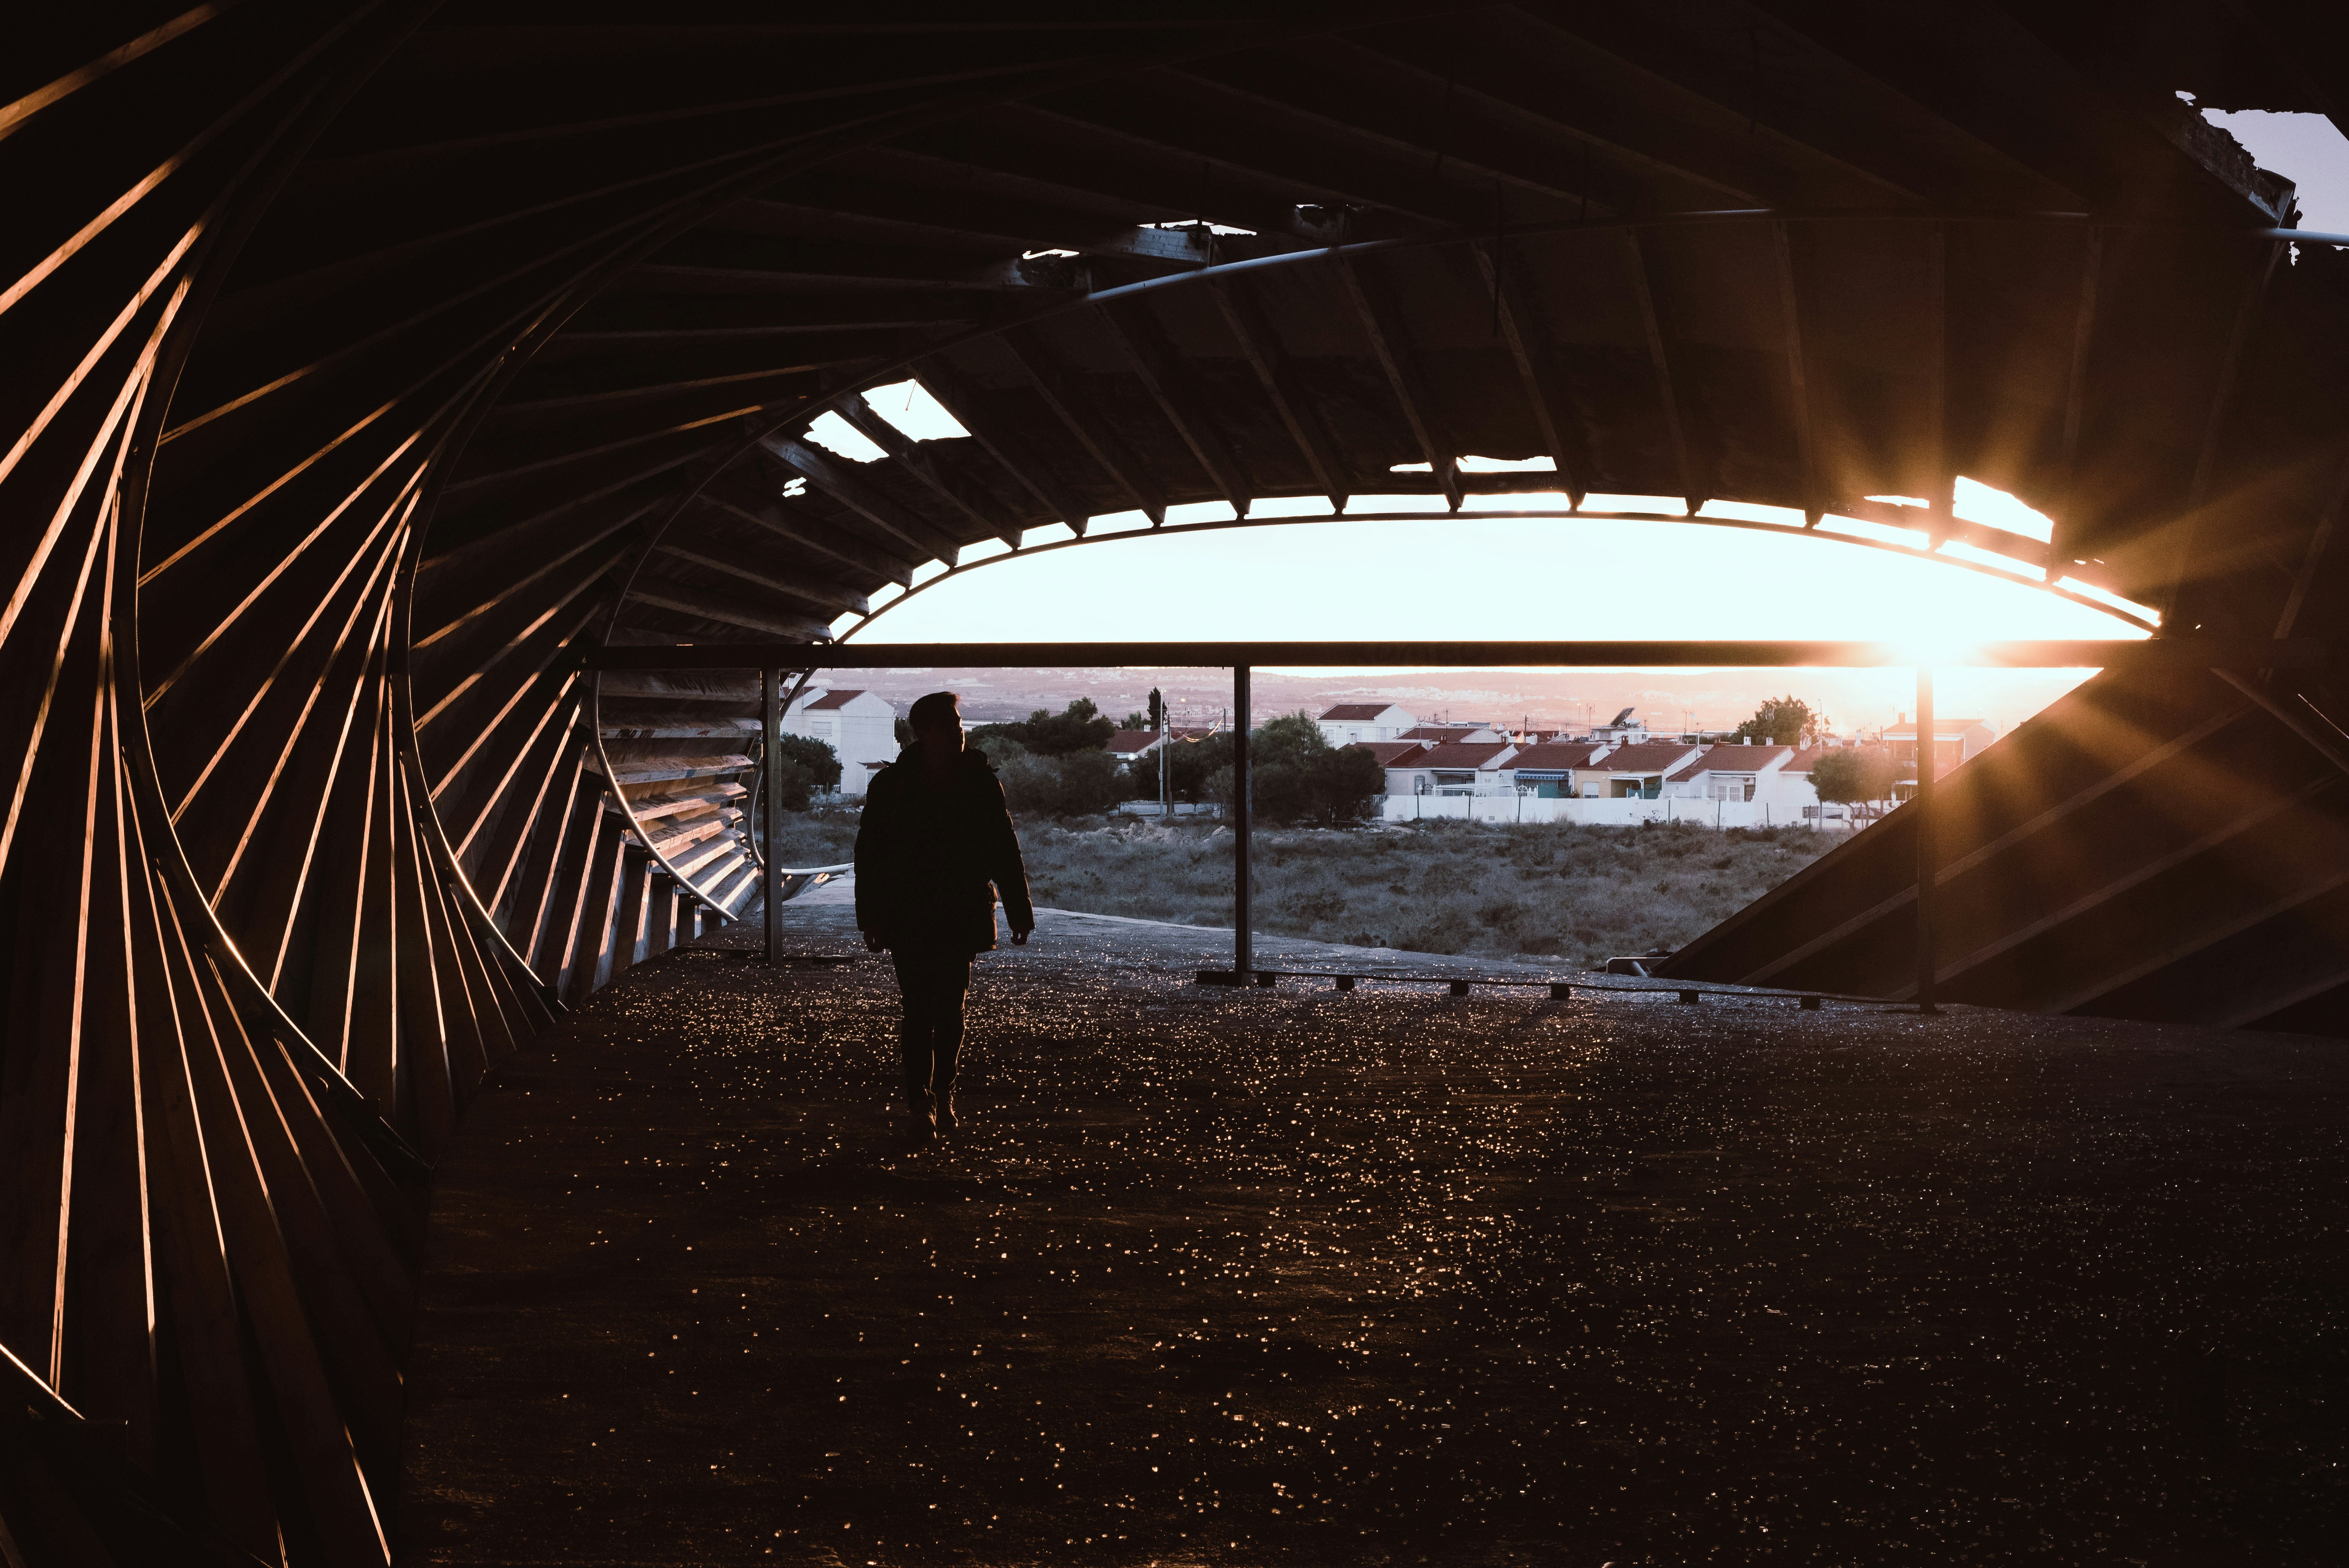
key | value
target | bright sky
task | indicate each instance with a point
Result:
(1469, 576)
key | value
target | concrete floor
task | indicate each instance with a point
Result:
(1302, 1277)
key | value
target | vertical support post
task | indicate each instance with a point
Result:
(1243, 953)
(770, 706)
(1928, 863)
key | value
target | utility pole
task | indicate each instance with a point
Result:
(1926, 949)
(1243, 956)
(771, 688)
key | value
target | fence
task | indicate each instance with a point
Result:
(1513, 807)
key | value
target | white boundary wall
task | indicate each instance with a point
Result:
(1516, 808)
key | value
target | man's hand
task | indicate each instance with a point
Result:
(872, 943)
(1020, 935)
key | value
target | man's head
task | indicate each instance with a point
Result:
(936, 723)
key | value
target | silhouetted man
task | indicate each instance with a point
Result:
(932, 851)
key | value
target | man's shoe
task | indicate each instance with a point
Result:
(944, 1119)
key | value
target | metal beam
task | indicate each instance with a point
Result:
(2319, 541)
(2214, 429)
(770, 728)
(1390, 341)
(704, 605)
(734, 561)
(959, 398)
(1261, 345)
(2075, 386)
(2153, 653)
(1798, 384)
(797, 525)
(1660, 356)
(1243, 818)
(1086, 423)
(1179, 397)
(832, 475)
(1940, 482)
(1928, 860)
(869, 422)
(1521, 328)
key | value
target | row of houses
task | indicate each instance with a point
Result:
(1618, 761)
(1621, 760)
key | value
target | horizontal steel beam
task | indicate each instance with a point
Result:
(2159, 652)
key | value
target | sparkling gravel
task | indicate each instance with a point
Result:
(1380, 1277)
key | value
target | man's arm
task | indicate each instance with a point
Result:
(1006, 870)
(872, 871)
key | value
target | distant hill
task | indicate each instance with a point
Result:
(1712, 699)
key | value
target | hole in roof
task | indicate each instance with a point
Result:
(838, 437)
(909, 406)
(2308, 150)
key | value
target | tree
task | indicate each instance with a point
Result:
(793, 785)
(1078, 727)
(1782, 721)
(1297, 776)
(820, 760)
(1157, 714)
(1853, 775)
(1080, 784)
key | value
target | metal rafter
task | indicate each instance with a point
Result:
(1085, 421)
(869, 422)
(1521, 328)
(1260, 343)
(1659, 358)
(960, 398)
(1179, 396)
(834, 478)
(1390, 337)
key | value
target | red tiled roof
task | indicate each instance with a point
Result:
(1355, 711)
(1555, 754)
(1732, 759)
(1648, 757)
(1461, 754)
(1126, 742)
(1802, 761)
(837, 699)
(1390, 753)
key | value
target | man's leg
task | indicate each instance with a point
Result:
(953, 980)
(918, 1030)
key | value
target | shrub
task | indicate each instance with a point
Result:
(793, 785)
(1081, 783)
(815, 758)
(1079, 726)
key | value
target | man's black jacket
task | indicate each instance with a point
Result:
(925, 857)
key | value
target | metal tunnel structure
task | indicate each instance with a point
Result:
(365, 364)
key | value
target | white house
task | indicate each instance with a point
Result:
(1461, 734)
(1636, 772)
(861, 727)
(1728, 772)
(1623, 729)
(1462, 768)
(1547, 769)
(1399, 758)
(1351, 723)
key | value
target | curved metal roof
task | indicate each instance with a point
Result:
(365, 360)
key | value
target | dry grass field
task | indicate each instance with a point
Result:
(1580, 894)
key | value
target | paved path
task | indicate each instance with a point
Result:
(1379, 1278)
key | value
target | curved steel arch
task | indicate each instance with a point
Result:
(1575, 514)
